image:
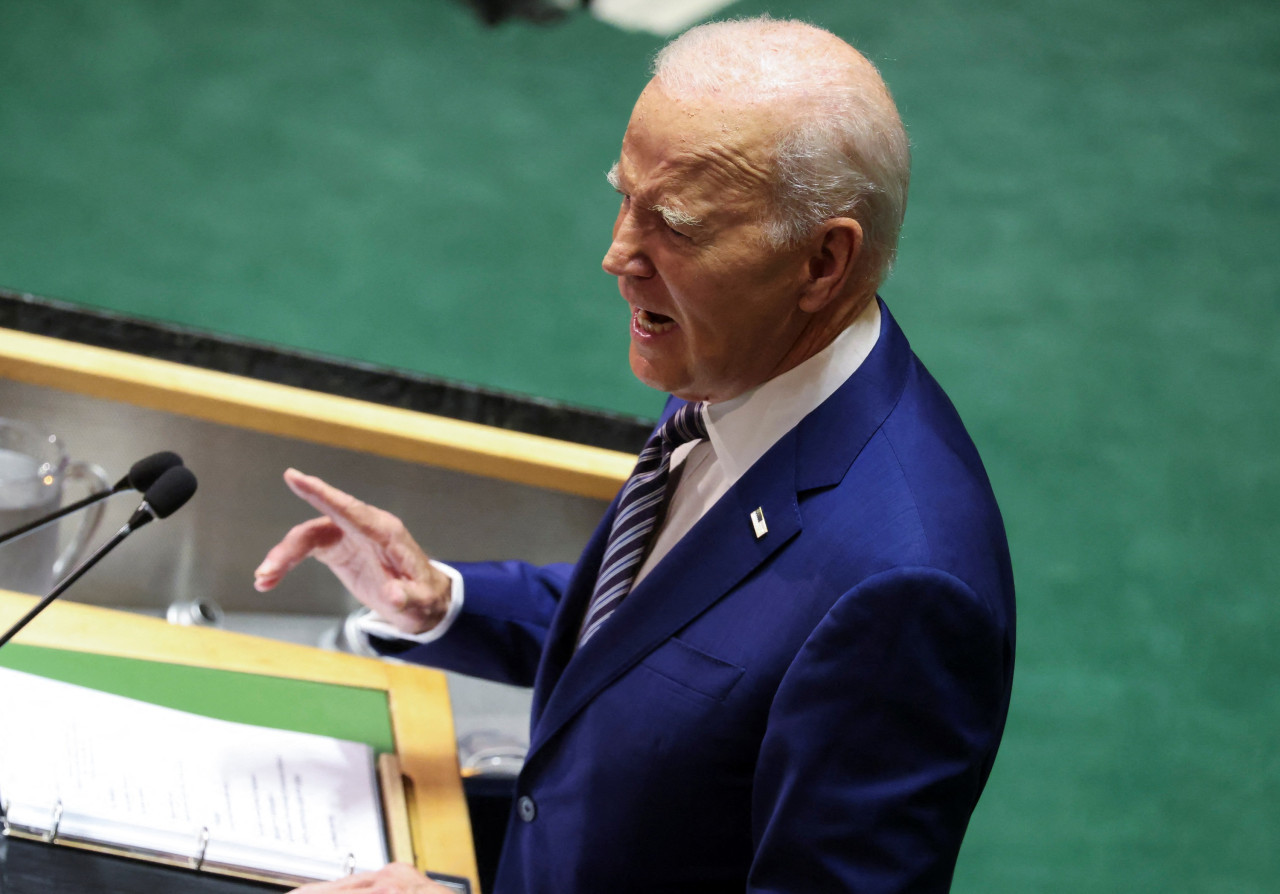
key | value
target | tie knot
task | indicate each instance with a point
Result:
(686, 425)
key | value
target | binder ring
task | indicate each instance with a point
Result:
(349, 864)
(56, 821)
(197, 862)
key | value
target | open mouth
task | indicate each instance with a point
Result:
(653, 323)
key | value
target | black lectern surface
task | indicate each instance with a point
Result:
(29, 867)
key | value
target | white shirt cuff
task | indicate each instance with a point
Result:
(372, 624)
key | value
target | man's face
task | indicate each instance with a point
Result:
(714, 311)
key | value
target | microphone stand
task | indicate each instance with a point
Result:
(54, 516)
(140, 518)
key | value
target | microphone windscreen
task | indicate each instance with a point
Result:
(173, 488)
(145, 471)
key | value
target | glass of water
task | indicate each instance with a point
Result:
(34, 465)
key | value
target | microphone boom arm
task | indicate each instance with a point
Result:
(70, 579)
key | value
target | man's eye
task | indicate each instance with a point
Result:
(670, 228)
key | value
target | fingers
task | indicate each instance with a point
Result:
(370, 552)
(395, 547)
(405, 878)
(361, 882)
(301, 541)
(351, 514)
(342, 511)
(395, 878)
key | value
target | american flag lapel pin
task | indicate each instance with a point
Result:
(757, 522)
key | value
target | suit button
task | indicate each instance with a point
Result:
(526, 809)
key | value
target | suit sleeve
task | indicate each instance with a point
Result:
(879, 740)
(507, 611)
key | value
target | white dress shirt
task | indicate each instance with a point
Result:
(739, 432)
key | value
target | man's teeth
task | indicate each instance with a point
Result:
(654, 323)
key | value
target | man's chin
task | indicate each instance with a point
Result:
(655, 375)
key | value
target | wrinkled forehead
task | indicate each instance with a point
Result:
(701, 143)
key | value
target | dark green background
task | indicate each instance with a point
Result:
(1089, 266)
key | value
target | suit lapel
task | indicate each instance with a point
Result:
(563, 635)
(721, 549)
(716, 554)
(832, 436)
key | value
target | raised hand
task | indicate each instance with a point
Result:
(368, 549)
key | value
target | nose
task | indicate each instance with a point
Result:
(626, 255)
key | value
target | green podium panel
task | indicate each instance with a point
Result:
(342, 712)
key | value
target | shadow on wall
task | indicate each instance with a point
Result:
(540, 12)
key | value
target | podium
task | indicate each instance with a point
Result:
(417, 710)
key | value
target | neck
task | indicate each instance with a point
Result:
(820, 331)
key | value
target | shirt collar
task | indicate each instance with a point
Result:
(743, 429)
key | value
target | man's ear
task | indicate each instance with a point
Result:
(837, 245)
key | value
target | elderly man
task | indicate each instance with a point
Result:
(783, 661)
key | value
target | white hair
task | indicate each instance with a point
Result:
(844, 152)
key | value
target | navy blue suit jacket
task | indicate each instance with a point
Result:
(813, 711)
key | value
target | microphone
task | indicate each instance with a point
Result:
(145, 471)
(142, 474)
(165, 496)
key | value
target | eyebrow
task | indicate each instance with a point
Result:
(677, 218)
(674, 217)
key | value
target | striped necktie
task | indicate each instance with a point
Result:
(639, 508)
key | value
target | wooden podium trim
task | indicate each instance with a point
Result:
(311, 416)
